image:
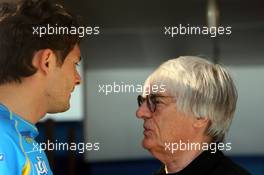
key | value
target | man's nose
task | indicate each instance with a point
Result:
(143, 111)
(77, 78)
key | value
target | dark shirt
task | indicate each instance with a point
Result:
(208, 163)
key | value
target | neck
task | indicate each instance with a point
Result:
(182, 160)
(23, 100)
(177, 161)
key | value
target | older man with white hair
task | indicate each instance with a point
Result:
(185, 125)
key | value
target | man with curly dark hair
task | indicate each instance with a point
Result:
(37, 76)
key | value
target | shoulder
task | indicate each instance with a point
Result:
(11, 154)
(8, 129)
(228, 167)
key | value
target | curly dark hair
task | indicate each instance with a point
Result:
(18, 44)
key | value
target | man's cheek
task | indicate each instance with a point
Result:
(165, 134)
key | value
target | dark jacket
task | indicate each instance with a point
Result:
(208, 163)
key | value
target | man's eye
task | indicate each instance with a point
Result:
(158, 102)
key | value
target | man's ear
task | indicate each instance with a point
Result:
(201, 122)
(44, 59)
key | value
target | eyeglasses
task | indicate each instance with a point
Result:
(151, 101)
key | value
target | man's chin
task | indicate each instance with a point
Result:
(152, 144)
(66, 108)
(60, 109)
(147, 143)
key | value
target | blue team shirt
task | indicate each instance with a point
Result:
(20, 154)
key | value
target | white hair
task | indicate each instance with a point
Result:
(201, 88)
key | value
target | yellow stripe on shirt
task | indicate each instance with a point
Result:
(26, 168)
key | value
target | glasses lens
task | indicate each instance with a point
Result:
(140, 100)
(151, 102)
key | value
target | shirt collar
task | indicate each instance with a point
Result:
(24, 127)
(201, 165)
